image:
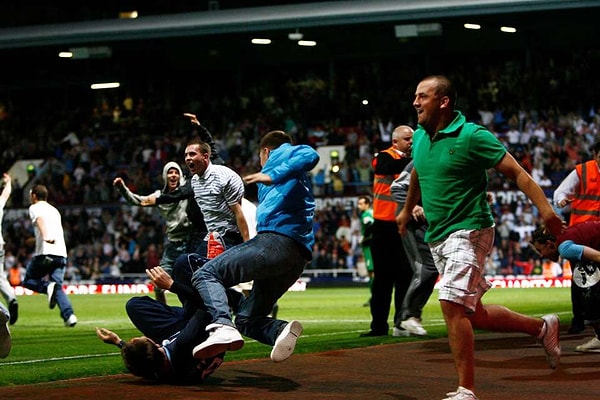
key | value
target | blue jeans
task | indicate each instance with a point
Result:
(274, 262)
(54, 267)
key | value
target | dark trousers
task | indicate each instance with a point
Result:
(393, 274)
(54, 267)
(425, 273)
(577, 306)
(154, 319)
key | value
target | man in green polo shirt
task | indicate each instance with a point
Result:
(451, 159)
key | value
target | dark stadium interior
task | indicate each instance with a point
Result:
(556, 31)
(545, 72)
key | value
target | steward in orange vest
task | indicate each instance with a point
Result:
(392, 271)
(586, 204)
(386, 171)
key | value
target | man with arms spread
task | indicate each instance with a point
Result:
(451, 159)
(164, 353)
(178, 226)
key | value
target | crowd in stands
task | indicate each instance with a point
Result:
(85, 148)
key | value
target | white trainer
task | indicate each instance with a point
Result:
(51, 294)
(461, 394)
(71, 321)
(550, 339)
(400, 332)
(221, 339)
(5, 339)
(591, 346)
(413, 326)
(286, 341)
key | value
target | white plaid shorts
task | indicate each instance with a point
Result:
(460, 260)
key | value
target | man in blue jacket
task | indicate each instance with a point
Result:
(274, 259)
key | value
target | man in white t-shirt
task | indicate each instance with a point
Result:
(50, 255)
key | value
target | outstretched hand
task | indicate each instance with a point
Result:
(160, 277)
(258, 177)
(192, 117)
(107, 336)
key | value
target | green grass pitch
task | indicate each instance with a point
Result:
(45, 350)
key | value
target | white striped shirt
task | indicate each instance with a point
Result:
(215, 191)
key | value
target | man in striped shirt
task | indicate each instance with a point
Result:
(218, 190)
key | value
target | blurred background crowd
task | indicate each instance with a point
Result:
(545, 115)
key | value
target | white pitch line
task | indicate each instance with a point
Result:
(59, 359)
(430, 323)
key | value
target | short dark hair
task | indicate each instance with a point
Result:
(366, 198)
(204, 147)
(444, 87)
(274, 139)
(541, 235)
(40, 191)
(142, 358)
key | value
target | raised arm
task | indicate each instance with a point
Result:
(509, 167)
(206, 137)
(132, 198)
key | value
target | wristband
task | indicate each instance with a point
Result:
(120, 344)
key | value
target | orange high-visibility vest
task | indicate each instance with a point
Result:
(586, 204)
(547, 270)
(384, 206)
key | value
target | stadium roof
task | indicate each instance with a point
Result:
(265, 18)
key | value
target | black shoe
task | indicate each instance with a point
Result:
(373, 333)
(13, 309)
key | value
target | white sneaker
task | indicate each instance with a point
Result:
(5, 339)
(71, 321)
(550, 339)
(51, 295)
(591, 346)
(221, 339)
(286, 341)
(400, 332)
(413, 326)
(461, 394)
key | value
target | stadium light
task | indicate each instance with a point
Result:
(261, 41)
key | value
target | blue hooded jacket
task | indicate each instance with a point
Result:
(287, 206)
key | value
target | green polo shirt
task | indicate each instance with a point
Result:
(452, 172)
